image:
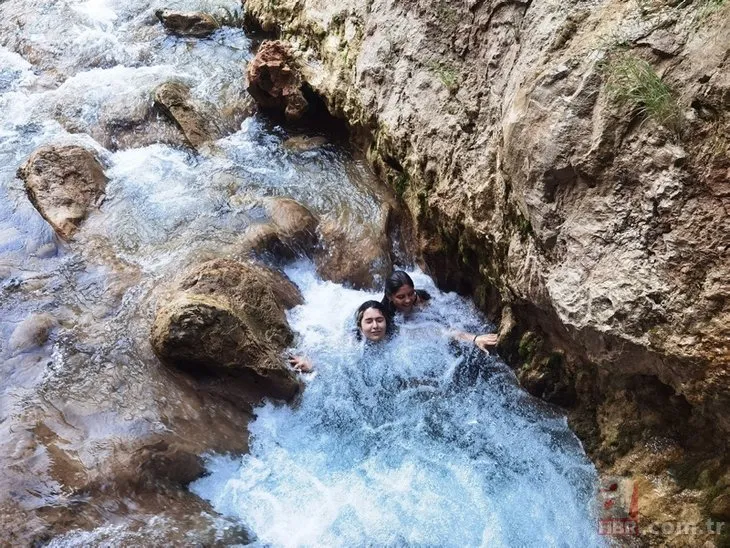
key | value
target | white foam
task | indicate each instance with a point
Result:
(396, 446)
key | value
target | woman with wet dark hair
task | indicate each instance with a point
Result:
(401, 297)
(371, 323)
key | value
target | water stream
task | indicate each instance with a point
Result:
(420, 443)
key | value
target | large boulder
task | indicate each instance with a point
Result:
(62, 182)
(182, 23)
(227, 317)
(274, 80)
(198, 126)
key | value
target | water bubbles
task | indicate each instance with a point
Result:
(407, 442)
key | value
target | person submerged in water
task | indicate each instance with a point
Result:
(371, 324)
(401, 297)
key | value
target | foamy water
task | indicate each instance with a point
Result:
(417, 441)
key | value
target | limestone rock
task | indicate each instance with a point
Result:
(720, 508)
(174, 99)
(185, 23)
(274, 80)
(62, 182)
(32, 332)
(291, 230)
(303, 143)
(229, 316)
(360, 259)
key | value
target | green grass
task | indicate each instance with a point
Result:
(448, 76)
(633, 82)
(401, 184)
(705, 9)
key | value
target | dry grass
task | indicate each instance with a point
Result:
(633, 82)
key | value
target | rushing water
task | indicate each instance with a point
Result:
(412, 442)
(415, 444)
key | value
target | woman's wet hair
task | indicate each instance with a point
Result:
(392, 284)
(361, 312)
(395, 281)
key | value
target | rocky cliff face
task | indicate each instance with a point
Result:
(575, 161)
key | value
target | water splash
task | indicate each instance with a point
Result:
(416, 441)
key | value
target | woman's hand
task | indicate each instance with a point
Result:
(486, 341)
(301, 364)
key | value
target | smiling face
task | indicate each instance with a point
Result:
(373, 325)
(404, 299)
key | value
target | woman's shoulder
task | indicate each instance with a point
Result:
(423, 295)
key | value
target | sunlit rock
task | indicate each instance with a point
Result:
(291, 230)
(63, 182)
(174, 99)
(304, 143)
(226, 316)
(355, 256)
(274, 80)
(187, 23)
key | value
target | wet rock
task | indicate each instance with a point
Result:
(720, 507)
(360, 260)
(166, 461)
(62, 182)
(228, 317)
(291, 230)
(304, 143)
(187, 23)
(31, 333)
(355, 256)
(537, 189)
(174, 99)
(274, 80)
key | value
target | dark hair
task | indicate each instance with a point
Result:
(361, 311)
(392, 284)
(395, 281)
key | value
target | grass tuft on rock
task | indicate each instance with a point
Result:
(633, 82)
(226, 17)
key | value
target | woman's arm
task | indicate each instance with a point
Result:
(482, 341)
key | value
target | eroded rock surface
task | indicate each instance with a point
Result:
(290, 231)
(63, 182)
(32, 332)
(229, 317)
(357, 257)
(274, 80)
(187, 23)
(198, 126)
(531, 187)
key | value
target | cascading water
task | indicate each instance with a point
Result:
(407, 445)
(415, 441)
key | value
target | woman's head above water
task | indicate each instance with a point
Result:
(401, 295)
(371, 321)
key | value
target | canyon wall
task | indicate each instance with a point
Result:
(567, 165)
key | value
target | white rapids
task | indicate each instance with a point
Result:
(415, 442)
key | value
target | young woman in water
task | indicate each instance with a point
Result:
(371, 324)
(401, 297)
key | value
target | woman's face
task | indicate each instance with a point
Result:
(403, 299)
(373, 325)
